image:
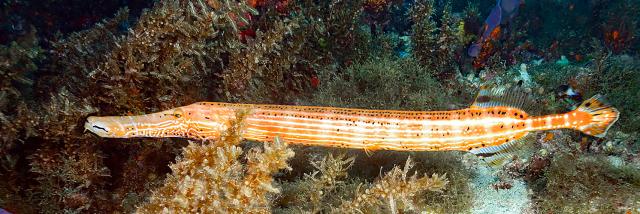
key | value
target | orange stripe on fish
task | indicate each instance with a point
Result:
(494, 123)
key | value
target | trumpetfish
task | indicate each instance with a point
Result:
(492, 125)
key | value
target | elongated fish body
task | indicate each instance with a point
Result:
(488, 123)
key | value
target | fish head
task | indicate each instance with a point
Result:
(102, 126)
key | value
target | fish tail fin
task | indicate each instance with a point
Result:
(603, 116)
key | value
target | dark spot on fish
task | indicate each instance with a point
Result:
(483, 99)
(98, 127)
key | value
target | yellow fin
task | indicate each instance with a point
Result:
(496, 156)
(603, 116)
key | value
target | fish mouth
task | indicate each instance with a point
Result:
(97, 127)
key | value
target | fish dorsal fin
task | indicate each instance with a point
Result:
(491, 96)
(496, 156)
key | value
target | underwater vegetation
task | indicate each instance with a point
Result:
(209, 178)
(384, 83)
(435, 45)
(62, 61)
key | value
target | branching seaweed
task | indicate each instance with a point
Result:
(209, 178)
(328, 189)
(394, 192)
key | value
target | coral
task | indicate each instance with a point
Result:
(209, 178)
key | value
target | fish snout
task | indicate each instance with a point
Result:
(98, 127)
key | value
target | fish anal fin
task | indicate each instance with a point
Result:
(498, 155)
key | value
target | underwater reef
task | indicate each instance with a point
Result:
(63, 61)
